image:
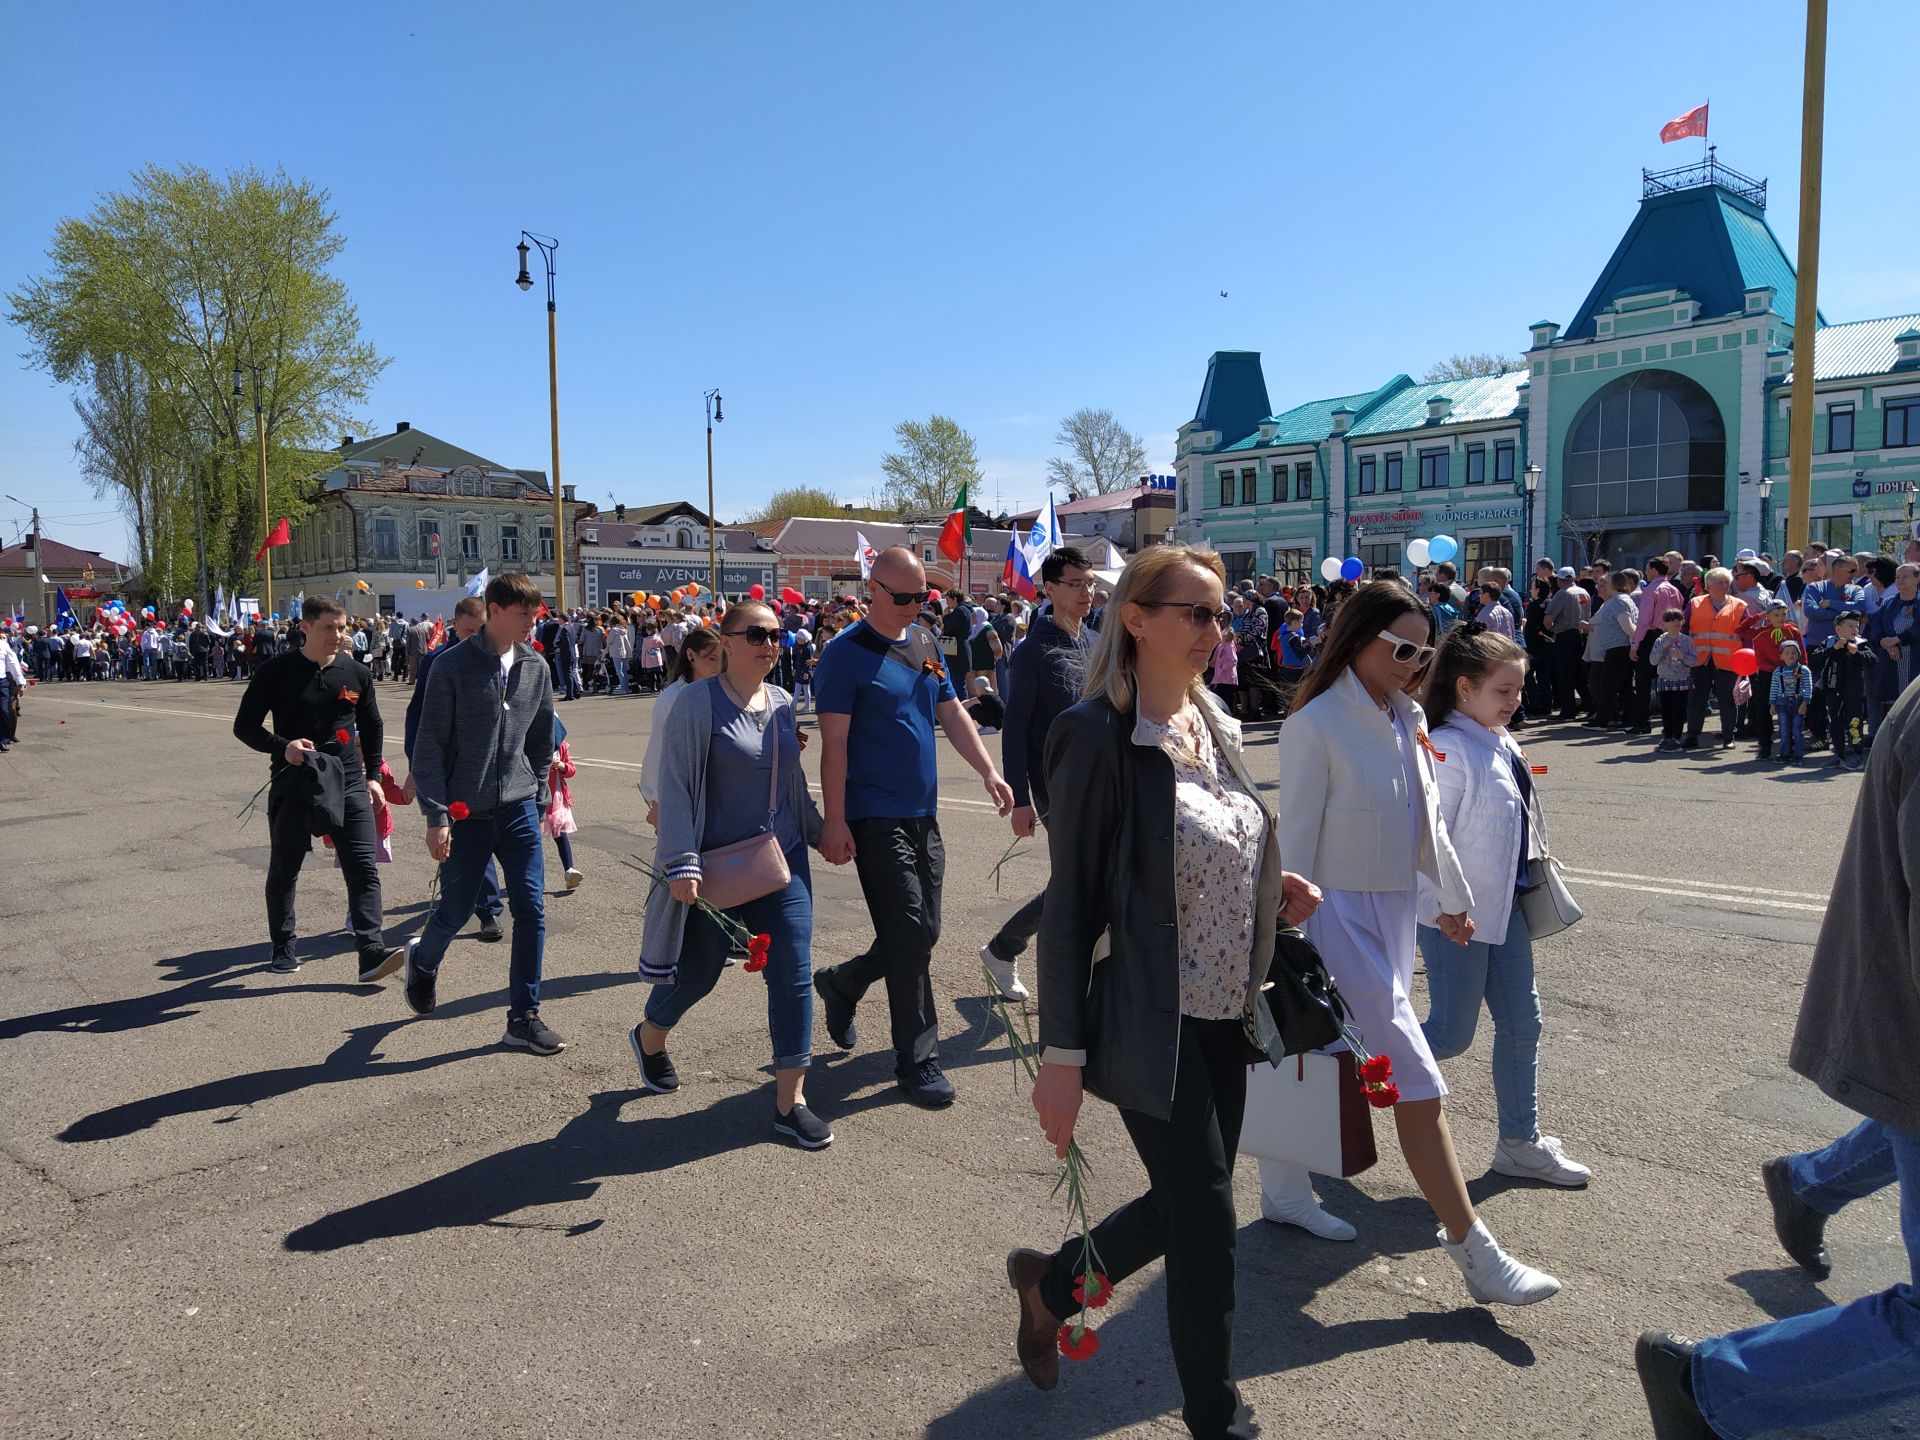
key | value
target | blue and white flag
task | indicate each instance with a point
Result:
(1042, 540)
(63, 615)
(477, 586)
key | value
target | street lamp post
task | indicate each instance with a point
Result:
(1766, 522)
(547, 245)
(714, 417)
(1530, 483)
(266, 517)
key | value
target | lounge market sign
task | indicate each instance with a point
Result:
(1442, 516)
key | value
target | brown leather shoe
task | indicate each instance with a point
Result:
(1036, 1338)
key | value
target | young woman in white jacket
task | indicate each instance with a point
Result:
(1359, 817)
(1492, 810)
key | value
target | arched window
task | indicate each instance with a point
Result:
(683, 539)
(1651, 443)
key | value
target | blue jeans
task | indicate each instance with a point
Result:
(618, 684)
(513, 834)
(1793, 730)
(1459, 977)
(1811, 1370)
(786, 915)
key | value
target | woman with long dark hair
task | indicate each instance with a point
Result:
(1360, 817)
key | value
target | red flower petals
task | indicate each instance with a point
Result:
(458, 810)
(538, 647)
(760, 944)
(1377, 1070)
(1101, 1293)
(1384, 1096)
(1083, 1348)
(342, 737)
(754, 963)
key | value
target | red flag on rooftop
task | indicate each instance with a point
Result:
(1694, 122)
(281, 534)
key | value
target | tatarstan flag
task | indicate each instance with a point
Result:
(956, 536)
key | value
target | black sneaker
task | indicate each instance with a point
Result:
(803, 1127)
(490, 931)
(419, 986)
(839, 1012)
(530, 1032)
(926, 1084)
(285, 962)
(656, 1071)
(381, 963)
(1802, 1230)
(1665, 1363)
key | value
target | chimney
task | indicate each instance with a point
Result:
(346, 442)
(620, 513)
(566, 492)
(403, 427)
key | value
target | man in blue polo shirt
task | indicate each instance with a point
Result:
(879, 688)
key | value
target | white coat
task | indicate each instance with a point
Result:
(1480, 804)
(1343, 799)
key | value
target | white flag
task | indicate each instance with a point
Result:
(478, 584)
(864, 553)
(1042, 540)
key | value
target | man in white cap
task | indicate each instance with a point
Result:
(1568, 609)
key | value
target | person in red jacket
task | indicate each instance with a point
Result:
(1766, 632)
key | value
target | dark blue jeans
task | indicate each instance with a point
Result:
(512, 834)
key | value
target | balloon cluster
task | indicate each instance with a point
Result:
(1437, 551)
(1334, 568)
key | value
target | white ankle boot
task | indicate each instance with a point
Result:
(1494, 1277)
(1286, 1198)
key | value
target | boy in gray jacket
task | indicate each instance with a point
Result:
(480, 769)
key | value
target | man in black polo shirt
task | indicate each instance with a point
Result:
(317, 694)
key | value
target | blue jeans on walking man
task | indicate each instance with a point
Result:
(1459, 977)
(1860, 1359)
(512, 833)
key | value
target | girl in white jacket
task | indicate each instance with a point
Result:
(1493, 813)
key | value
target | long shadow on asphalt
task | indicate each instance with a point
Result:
(1781, 1293)
(1280, 1271)
(357, 1058)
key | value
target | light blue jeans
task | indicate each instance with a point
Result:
(1860, 1359)
(1459, 977)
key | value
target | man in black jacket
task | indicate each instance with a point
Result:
(1042, 680)
(321, 699)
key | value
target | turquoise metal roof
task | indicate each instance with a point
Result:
(1860, 348)
(1234, 399)
(1757, 251)
(1485, 397)
(1306, 424)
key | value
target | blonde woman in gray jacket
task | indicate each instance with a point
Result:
(1360, 818)
(721, 746)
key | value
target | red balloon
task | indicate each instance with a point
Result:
(757, 592)
(933, 594)
(1743, 662)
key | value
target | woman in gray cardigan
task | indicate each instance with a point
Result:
(718, 747)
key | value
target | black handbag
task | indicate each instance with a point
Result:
(1299, 1008)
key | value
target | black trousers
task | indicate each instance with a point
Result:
(901, 864)
(1760, 711)
(1641, 715)
(1615, 690)
(1673, 714)
(1570, 672)
(1711, 680)
(354, 842)
(1186, 1216)
(1540, 677)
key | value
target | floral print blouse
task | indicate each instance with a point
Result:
(1218, 832)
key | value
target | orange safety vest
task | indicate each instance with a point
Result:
(1715, 637)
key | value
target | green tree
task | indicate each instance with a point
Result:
(1105, 455)
(811, 501)
(1470, 367)
(149, 306)
(934, 460)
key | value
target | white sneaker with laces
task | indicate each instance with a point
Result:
(1541, 1158)
(1006, 974)
(1286, 1198)
(1494, 1277)
(574, 877)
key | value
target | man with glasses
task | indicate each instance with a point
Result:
(1043, 680)
(878, 689)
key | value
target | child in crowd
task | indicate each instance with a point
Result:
(1843, 672)
(1768, 632)
(1792, 694)
(558, 822)
(1493, 612)
(1446, 614)
(981, 703)
(1226, 674)
(1294, 655)
(802, 670)
(653, 659)
(1673, 659)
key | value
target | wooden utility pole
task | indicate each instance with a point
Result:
(1806, 305)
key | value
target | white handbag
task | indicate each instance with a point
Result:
(1310, 1110)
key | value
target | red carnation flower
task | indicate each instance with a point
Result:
(538, 646)
(1082, 1349)
(754, 963)
(1384, 1097)
(1102, 1290)
(759, 944)
(1377, 1070)
(458, 810)
(341, 737)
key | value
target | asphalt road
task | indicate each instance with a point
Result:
(234, 1203)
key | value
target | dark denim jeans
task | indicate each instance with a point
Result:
(512, 834)
(1811, 1370)
(901, 864)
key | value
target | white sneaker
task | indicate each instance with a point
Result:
(1540, 1158)
(1286, 1198)
(1006, 974)
(574, 877)
(1494, 1277)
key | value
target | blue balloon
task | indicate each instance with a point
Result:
(1443, 548)
(1352, 568)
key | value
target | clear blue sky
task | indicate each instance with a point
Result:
(853, 214)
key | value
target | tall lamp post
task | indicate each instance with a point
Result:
(547, 245)
(266, 518)
(1766, 521)
(714, 417)
(1529, 485)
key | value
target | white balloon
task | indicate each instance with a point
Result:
(1330, 568)
(1417, 552)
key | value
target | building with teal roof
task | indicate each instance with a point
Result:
(1655, 420)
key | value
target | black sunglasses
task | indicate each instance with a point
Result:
(905, 597)
(1197, 616)
(755, 634)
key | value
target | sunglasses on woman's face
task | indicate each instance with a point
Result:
(754, 634)
(1197, 615)
(1407, 652)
